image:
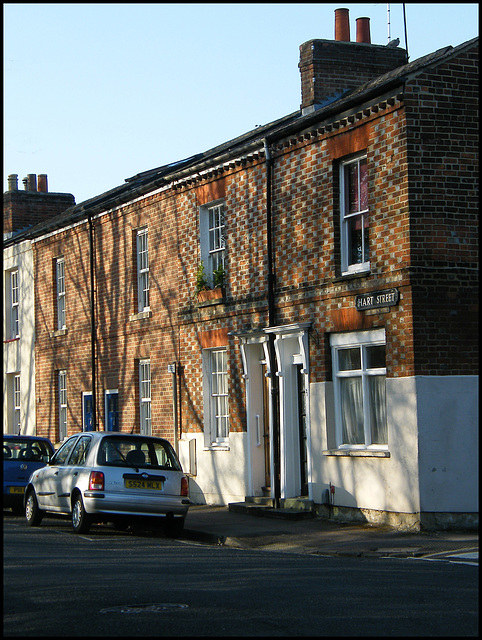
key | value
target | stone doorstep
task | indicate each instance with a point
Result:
(297, 504)
(266, 510)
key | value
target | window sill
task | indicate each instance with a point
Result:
(357, 453)
(140, 316)
(59, 332)
(217, 447)
(352, 275)
(210, 303)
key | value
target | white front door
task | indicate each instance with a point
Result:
(291, 345)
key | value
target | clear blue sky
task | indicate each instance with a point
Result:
(95, 93)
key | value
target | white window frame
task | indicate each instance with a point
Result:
(142, 270)
(17, 425)
(216, 397)
(13, 319)
(145, 397)
(62, 386)
(346, 218)
(60, 284)
(362, 340)
(12, 404)
(212, 227)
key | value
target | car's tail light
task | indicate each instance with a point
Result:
(96, 481)
(184, 486)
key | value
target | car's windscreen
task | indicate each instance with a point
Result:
(137, 452)
(31, 451)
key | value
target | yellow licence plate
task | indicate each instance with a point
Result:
(144, 484)
(16, 489)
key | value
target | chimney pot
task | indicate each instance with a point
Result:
(342, 25)
(13, 182)
(25, 183)
(363, 30)
(42, 183)
(32, 181)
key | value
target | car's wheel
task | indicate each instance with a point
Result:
(80, 519)
(173, 526)
(33, 514)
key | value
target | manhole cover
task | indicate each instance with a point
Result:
(140, 608)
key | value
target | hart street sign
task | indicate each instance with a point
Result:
(377, 299)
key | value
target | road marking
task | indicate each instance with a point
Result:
(471, 555)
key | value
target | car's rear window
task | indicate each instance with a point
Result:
(31, 451)
(141, 453)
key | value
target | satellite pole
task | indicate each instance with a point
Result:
(405, 28)
(388, 20)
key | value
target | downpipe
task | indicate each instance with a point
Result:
(92, 325)
(272, 323)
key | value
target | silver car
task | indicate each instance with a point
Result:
(103, 476)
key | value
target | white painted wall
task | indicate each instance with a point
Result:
(19, 355)
(385, 484)
(448, 443)
(221, 475)
(433, 444)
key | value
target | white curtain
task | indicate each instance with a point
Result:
(378, 410)
(352, 410)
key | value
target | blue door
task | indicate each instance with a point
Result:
(111, 410)
(87, 412)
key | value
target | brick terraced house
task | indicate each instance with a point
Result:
(296, 309)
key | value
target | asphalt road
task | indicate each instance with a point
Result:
(108, 583)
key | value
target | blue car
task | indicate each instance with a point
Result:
(22, 455)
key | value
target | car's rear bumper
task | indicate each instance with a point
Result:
(104, 503)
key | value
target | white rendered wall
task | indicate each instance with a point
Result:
(448, 443)
(221, 476)
(384, 484)
(433, 445)
(19, 355)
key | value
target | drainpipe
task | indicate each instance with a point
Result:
(172, 368)
(92, 321)
(269, 237)
(272, 323)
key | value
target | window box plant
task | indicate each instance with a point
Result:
(204, 292)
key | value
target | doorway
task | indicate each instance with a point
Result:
(302, 427)
(292, 369)
(266, 438)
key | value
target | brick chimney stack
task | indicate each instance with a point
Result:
(330, 67)
(23, 209)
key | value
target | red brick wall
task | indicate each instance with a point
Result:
(442, 122)
(121, 339)
(56, 351)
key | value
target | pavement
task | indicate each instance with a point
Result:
(320, 536)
